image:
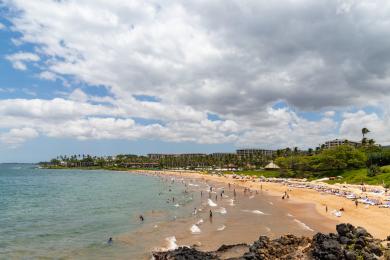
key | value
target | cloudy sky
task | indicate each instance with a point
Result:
(110, 76)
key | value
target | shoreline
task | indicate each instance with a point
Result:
(376, 220)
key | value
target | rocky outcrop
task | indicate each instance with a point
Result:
(349, 243)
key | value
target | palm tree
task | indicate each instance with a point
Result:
(365, 131)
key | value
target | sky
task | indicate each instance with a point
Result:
(107, 76)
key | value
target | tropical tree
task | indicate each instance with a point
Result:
(365, 131)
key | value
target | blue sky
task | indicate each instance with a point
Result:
(110, 77)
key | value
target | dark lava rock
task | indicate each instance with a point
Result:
(350, 255)
(184, 253)
(349, 243)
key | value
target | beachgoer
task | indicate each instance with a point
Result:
(234, 192)
(201, 194)
(141, 217)
(356, 203)
(326, 208)
(109, 241)
(211, 214)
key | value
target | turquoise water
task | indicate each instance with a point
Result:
(72, 213)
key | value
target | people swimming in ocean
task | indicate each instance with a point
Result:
(109, 241)
(141, 218)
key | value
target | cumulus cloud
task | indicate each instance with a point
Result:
(19, 59)
(2, 26)
(235, 59)
(16, 136)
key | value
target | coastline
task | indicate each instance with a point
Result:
(376, 220)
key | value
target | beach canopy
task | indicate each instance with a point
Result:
(271, 166)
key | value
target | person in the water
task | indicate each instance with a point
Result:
(141, 218)
(109, 241)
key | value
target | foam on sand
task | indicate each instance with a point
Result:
(171, 243)
(221, 210)
(222, 227)
(231, 202)
(258, 212)
(303, 225)
(211, 203)
(176, 205)
(268, 229)
(251, 197)
(200, 221)
(271, 203)
(194, 185)
(195, 229)
(289, 215)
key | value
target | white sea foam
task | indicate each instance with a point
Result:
(268, 229)
(289, 215)
(194, 185)
(195, 229)
(200, 221)
(221, 210)
(231, 202)
(271, 203)
(222, 227)
(176, 205)
(212, 203)
(258, 212)
(225, 196)
(303, 225)
(171, 243)
(251, 197)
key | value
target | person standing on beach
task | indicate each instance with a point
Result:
(356, 203)
(234, 192)
(326, 208)
(211, 215)
(201, 194)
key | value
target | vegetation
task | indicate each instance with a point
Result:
(355, 163)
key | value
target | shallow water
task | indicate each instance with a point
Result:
(72, 213)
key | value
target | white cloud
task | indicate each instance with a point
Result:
(2, 26)
(233, 59)
(19, 59)
(17, 136)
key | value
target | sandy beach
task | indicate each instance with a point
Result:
(376, 220)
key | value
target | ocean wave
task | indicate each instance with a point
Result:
(222, 227)
(303, 225)
(195, 229)
(211, 203)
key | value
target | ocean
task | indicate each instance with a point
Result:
(71, 214)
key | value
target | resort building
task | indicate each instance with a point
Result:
(254, 152)
(220, 155)
(158, 156)
(338, 142)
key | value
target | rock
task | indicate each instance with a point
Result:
(345, 240)
(350, 255)
(388, 238)
(184, 253)
(349, 243)
(362, 232)
(345, 229)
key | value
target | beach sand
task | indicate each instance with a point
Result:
(306, 204)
